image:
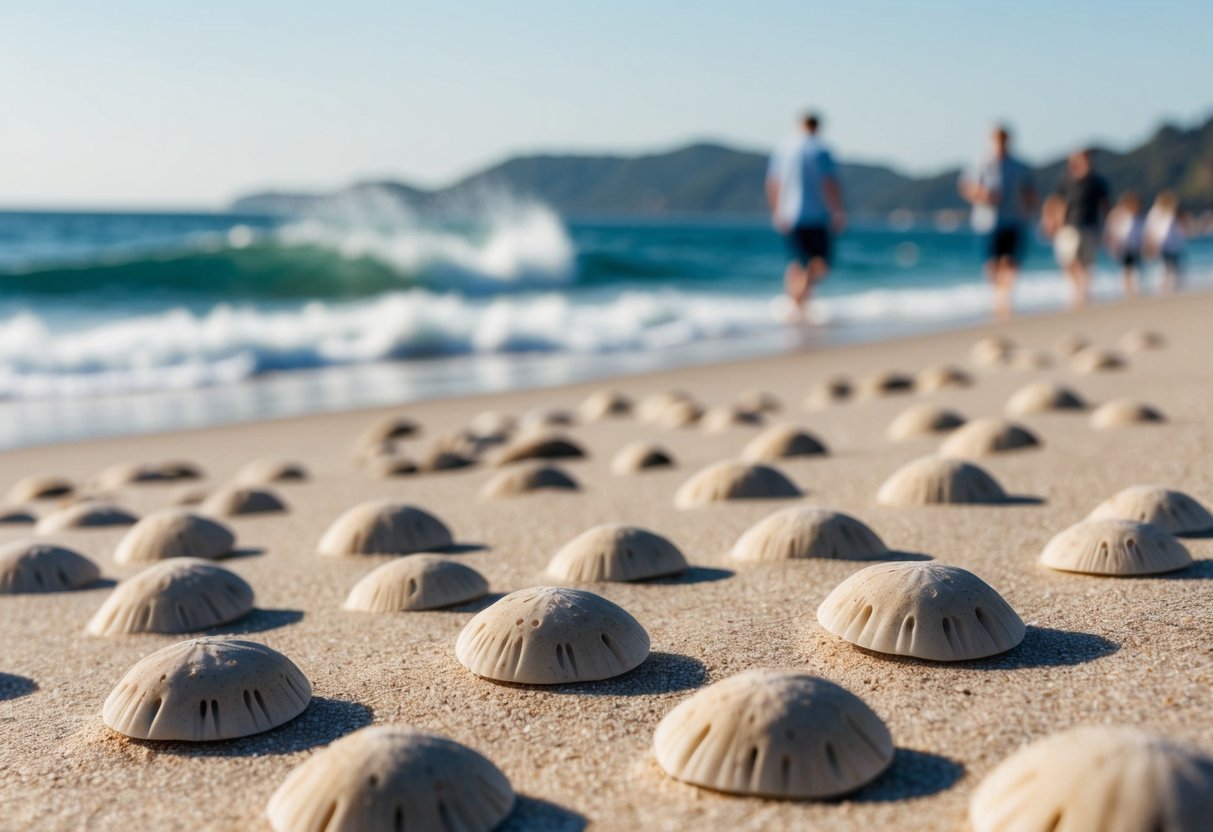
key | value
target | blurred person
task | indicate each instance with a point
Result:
(1074, 218)
(1165, 238)
(805, 199)
(1003, 196)
(1124, 235)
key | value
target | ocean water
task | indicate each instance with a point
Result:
(112, 323)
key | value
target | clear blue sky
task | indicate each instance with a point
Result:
(132, 102)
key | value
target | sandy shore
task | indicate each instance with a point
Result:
(1119, 651)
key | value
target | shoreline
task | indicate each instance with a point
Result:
(1099, 650)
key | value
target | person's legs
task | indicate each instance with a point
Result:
(1170, 273)
(796, 282)
(1005, 271)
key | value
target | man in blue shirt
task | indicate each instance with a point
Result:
(1003, 196)
(806, 207)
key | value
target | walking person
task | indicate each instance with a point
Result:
(1003, 196)
(1074, 218)
(805, 199)
(1164, 236)
(1124, 235)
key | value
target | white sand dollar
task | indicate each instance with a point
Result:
(884, 383)
(492, 426)
(774, 733)
(541, 446)
(1142, 340)
(941, 377)
(983, 437)
(207, 689)
(680, 414)
(721, 419)
(134, 473)
(1097, 779)
(1028, 359)
(991, 350)
(1043, 396)
(1095, 360)
(1166, 508)
(41, 567)
(759, 401)
(417, 582)
(925, 610)
(174, 533)
(616, 552)
(604, 404)
(828, 392)
(389, 778)
(234, 500)
(388, 428)
(84, 515)
(734, 480)
(1120, 413)
(1115, 547)
(29, 489)
(266, 470)
(548, 635)
(652, 406)
(517, 481)
(383, 527)
(546, 417)
(782, 441)
(809, 532)
(922, 419)
(638, 456)
(180, 595)
(938, 479)
(438, 459)
(386, 466)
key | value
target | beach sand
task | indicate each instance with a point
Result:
(1119, 651)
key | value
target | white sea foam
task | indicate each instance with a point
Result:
(179, 349)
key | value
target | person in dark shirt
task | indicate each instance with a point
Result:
(1074, 217)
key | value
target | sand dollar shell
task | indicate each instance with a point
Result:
(937, 479)
(1097, 779)
(84, 515)
(604, 404)
(884, 383)
(774, 734)
(983, 437)
(926, 610)
(382, 527)
(1095, 360)
(724, 418)
(518, 481)
(174, 596)
(207, 689)
(417, 582)
(542, 446)
(991, 350)
(174, 533)
(389, 778)
(548, 635)
(782, 441)
(734, 480)
(232, 501)
(1168, 509)
(809, 532)
(41, 567)
(679, 414)
(1120, 413)
(32, 488)
(941, 377)
(1115, 547)
(1043, 396)
(266, 470)
(652, 406)
(1142, 340)
(759, 401)
(828, 392)
(922, 419)
(615, 552)
(638, 456)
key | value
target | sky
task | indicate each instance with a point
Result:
(150, 104)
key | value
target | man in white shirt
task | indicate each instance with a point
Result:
(806, 207)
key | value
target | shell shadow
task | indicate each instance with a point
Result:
(534, 815)
(323, 721)
(1200, 570)
(13, 686)
(243, 552)
(691, 575)
(912, 774)
(1047, 647)
(475, 605)
(659, 673)
(464, 548)
(1019, 500)
(258, 620)
(896, 554)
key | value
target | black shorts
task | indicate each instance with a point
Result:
(1171, 259)
(1004, 244)
(809, 242)
(1130, 259)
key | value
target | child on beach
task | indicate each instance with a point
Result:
(1164, 237)
(1123, 235)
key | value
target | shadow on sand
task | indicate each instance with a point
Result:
(913, 774)
(324, 720)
